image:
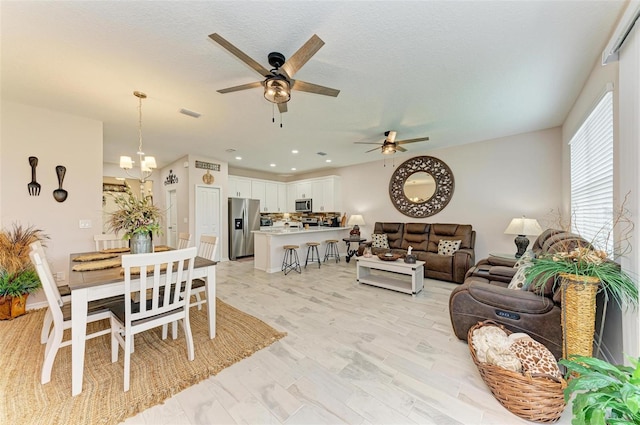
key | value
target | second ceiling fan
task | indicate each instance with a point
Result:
(390, 145)
(278, 81)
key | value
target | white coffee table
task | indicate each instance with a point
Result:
(392, 280)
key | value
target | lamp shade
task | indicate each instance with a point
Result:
(523, 226)
(126, 162)
(356, 219)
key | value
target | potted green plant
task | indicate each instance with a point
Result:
(137, 218)
(18, 278)
(581, 270)
(605, 394)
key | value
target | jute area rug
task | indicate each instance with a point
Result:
(159, 369)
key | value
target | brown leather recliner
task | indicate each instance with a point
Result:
(484, 295)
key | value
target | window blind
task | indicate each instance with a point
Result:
(591, 150)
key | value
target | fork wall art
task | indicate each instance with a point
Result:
(33, 186)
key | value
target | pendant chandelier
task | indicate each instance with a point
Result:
(147, 163)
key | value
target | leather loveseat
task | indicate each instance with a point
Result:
(424, 239)
(485, 295)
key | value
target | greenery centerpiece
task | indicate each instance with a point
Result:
(604, 393)
(18, 277)
(137, 217)
(582, 269)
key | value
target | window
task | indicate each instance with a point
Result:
(592, 176)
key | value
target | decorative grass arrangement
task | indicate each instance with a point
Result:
(134, 215)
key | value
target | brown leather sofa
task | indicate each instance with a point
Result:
(424, 239)
(484, 295)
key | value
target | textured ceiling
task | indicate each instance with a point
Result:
(458, 72)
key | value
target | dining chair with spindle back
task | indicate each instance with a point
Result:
(60, 312)
(184, 240)
(109, 241)
(159, 275)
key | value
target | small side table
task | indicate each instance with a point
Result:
(352, 252)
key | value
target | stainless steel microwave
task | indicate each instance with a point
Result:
(303, 205)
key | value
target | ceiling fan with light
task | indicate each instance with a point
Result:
(390, 145)
(279, 81)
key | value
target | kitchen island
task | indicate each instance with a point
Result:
(268, 251)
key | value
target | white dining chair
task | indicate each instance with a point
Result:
(159, 298)
(184, 240)
(61, 314)
(206, 249)
(109, 241)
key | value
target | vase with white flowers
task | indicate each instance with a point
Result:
(137, 218)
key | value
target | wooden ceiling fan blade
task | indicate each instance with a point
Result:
(240, 54)
(302, 56)
(374, 149)
(400, 148)
(241, 87)
(282, 107)
(313, 88)
(419, 139)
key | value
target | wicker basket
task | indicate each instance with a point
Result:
(534, 398)
(578, 314)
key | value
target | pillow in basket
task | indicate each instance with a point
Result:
(379, 240)
(446, 247)
(535, 358)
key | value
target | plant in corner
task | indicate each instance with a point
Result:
(137, 217)
(18, 278)
(605, 394)
(582, 269)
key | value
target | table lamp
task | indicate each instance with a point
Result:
(356, 221)
(523, 226)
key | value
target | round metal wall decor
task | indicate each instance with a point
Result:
(444, 185)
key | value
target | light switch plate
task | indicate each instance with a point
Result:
(85, 224)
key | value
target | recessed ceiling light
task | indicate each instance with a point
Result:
(272, 165)
(238, 158)
(293, 169)
(294, 151)
(327, 160)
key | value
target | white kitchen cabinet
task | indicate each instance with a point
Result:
(239, 187)
(283, 206)
(327, 194)
(292, 195)
(270, 197)
(258, 192)
(303, 190)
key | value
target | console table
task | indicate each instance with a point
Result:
(391, 280)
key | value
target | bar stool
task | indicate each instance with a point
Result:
(331, 251)
(312, 248)
(290, 260)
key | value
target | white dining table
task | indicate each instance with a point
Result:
(99, 284)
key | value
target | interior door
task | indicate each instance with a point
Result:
(172, 219)
(208, 215)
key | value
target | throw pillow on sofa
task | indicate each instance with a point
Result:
(379, 240)
(446, 247)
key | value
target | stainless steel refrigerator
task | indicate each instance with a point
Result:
(244, 216)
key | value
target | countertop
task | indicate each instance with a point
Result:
(284, 231)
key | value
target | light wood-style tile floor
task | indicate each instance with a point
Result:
(354, 354)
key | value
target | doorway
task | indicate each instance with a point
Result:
(172, 219)
(208, 214)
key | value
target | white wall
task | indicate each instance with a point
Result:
(495, 181)
(628, 175)
(56, 139)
